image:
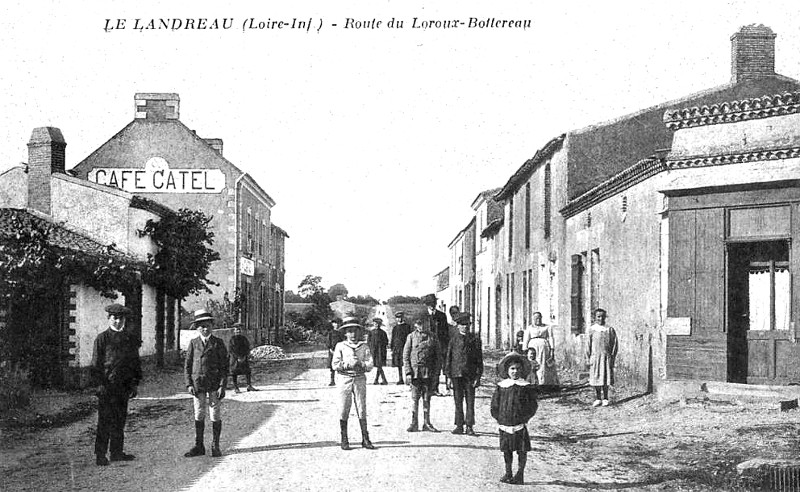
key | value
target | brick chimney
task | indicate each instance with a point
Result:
(215, 143)
(157, 106)
(752, 53)
(46, 155)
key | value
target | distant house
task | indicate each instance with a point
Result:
(488, 218)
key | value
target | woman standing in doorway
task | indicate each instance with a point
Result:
(539, 337)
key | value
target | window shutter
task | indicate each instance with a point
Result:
(576, 295)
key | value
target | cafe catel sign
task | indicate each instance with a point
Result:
(157, 177)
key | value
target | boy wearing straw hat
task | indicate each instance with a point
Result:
(206, 371)
(352, 359)
(513, 404)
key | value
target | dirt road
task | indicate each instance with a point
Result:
(285, 437)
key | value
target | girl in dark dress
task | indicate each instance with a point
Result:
(513, 404)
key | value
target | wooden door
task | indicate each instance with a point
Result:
(759, 296)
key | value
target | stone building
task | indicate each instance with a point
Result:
(666, 218)
(158, 157)
(92, 221)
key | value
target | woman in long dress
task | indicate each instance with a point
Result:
(539, 337)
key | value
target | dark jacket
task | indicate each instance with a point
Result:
(399, 335)
(115, 360)
(437, 323)
(206, 368)
(334, 337)
(464, 357)
(239, 350)
(421, 355)
(514, 404)
(378, 341)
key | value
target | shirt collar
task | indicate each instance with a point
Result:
(508, 382)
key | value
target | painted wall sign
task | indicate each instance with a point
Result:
(247, 266)
(157, 177)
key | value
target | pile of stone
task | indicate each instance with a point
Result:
(267, 352)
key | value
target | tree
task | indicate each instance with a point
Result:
(291, 297)
(180, 267)
(404, 300)
(337, 290)
(310, 286)
(311, 290)
(366, 300)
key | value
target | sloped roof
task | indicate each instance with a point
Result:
(524, 172)
(601, 151)
(492, 228)
(60, 237)
(79, 168)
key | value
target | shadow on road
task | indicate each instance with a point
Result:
(355, 444)
(598, 485)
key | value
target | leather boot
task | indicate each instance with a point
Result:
(216, 428)
(199, 449)
(365, 442)
(508, 457)
(345, 442)
(414, 427)
(427, 426)
(519, 478)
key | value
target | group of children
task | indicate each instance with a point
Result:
(514, 401)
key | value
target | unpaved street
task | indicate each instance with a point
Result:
(285, 437)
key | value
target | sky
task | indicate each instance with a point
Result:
(372, 141)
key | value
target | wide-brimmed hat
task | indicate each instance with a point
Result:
(429, 300)
(237, 324)
(202, 315)
(118, 310)
(513, 357)
(399, 314)
(351, 324)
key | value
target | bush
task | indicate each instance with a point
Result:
(15, 387)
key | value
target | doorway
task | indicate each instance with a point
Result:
(759, 307)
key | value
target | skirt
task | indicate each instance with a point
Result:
(518, 441)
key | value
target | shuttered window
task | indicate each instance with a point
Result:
(576, 295)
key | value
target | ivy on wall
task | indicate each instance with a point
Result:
(31, 264)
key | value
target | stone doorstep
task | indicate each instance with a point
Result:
(775, 474)
(782, 397)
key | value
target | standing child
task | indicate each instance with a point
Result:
(352, 359)
(533, 377)
(602, 354)
(513, 404)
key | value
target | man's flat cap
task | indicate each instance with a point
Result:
(117, 309)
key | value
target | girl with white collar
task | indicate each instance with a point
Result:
(513, 404)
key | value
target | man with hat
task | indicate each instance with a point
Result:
(117, 369)
(206, 371)
(239, 350)
(378, 341)
(334, 336)
(436, 322)
(352, 359)
(400, 332)
(464, 367)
